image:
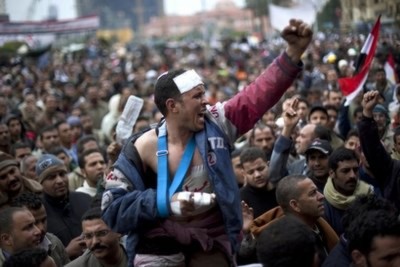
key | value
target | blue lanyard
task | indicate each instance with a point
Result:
(165, 190)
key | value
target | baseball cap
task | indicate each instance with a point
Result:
(320, 145)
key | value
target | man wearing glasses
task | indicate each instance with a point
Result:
(103, 245)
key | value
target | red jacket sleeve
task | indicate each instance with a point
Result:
(249, 105)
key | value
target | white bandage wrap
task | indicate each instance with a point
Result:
(202, 199)
(199, 199)
(176, 208)
(187, 81)
(185, 195)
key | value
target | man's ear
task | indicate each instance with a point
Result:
(358, 258)
(6, 239)
(171, 105)
(294, 205)
(332, 174)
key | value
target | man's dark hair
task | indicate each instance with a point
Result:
(33, 257)
(80, 144)
(18, 145)
(57, 151)
(166, 88)
(82, 156)
(333, 91)
(322, 132)
(92, 214)
(28, 200)
(261, 126)
(250, 154)
(379, 69)
(287, 189)
(6, 218)
(365, 227)
(341, 154)
(58, 123)
(303, 100)
(357, 110)
(236, 153)
(351, 133)
(46, 129)
(286, 242)
(365, 203)
(331, 107)
(317, 108)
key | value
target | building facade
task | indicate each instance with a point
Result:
(224, 17)
(355, 13)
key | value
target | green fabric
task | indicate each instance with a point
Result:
(340, 201)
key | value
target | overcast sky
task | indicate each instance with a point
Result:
(22, 10)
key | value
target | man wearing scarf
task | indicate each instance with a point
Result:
(343, 186)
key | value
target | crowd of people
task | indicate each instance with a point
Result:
(242, 154)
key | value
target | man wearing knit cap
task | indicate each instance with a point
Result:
(382, 119)
(12, 183)
(64, 209)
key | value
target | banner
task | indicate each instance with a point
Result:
(279, 16)
(89, 23)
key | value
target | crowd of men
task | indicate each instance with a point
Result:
(313, 183)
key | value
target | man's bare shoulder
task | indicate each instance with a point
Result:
(146, 137)
(146, 145)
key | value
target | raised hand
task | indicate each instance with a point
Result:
(298, 35)
(369, 101)
(248, 217)
(76, 247)
(290, 117)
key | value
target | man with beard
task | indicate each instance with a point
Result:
(93, 166)
(17, 231)
(64, 209)
(48, 241)
(343, 186)
(12, 183)
(103, 245)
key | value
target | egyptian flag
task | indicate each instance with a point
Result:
(389, 69)
(351, 86)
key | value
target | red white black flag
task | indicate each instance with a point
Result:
(390, 70)
(351, 86)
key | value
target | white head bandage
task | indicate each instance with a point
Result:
(187, 81)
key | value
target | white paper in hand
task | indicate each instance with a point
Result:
(128, 118)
